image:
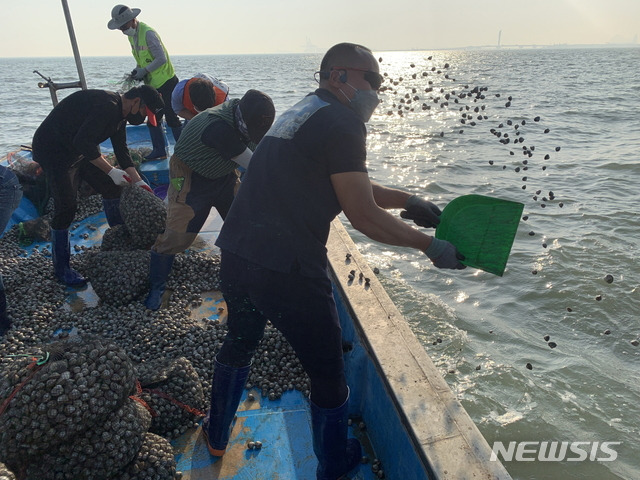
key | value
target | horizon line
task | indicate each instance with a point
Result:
(319, 51)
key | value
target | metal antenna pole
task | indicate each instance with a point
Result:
(74, 44)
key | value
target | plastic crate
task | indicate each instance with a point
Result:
(156, 172)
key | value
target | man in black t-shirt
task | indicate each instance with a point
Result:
(310, 166)
(67, 147)
(203, 175)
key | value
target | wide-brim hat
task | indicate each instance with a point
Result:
(121, 14)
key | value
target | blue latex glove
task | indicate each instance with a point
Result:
(421, 211)
(138, 73)
(444, 255)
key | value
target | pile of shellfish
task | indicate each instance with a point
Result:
(112, 392)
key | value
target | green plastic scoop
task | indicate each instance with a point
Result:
(482, 229)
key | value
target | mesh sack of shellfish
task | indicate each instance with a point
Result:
(173, 391)
(117, 238)
(144, 214)
(276, 367)
(155, 461)
(58, 391)
(118, 277)
(99, 452)
(5, 473)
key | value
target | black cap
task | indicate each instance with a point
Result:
(149, 96)
(258, 113)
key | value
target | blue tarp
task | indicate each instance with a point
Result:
(25, 211)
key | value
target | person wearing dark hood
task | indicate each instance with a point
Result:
(154, 66)
(310, 166)
(203, 175)
(67, 147)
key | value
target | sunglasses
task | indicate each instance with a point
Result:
(374, 78)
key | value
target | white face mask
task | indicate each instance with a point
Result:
(130, 32)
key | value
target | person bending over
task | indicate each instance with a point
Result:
(196, 94)
(203, 175)
(67, 147)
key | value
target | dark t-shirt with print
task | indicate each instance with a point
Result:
(281, 216)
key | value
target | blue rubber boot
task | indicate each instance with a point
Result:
(158, 143)
(226, 391)
(5, 321)
(159, 270)
(336, 454)
(61, 254)
(112, 211)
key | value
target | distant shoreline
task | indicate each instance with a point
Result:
(468, 48)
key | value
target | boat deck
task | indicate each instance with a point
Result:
(419, 429)
(283, 426)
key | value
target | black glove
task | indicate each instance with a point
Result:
(422, 212)
(444, 255)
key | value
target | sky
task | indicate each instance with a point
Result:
(36, 28)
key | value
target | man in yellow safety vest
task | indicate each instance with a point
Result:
(153, 66)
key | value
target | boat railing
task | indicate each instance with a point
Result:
(54, 87)
(422, 430)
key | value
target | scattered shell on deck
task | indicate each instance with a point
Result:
(39, 308)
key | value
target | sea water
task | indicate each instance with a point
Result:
(482, 330)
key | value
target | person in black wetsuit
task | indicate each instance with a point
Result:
(310, 166)
(67, 147)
